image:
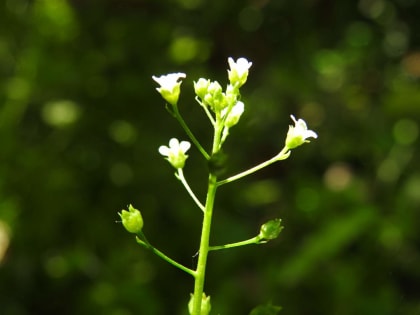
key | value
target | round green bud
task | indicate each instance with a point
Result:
(132, 220)
(271, 229)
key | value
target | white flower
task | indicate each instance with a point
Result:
(169, 86)
(175, 153)
(238, 72)
(298, 134)
(234, 114)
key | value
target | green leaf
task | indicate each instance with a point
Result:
(267, 309)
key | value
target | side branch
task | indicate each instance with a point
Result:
(163, 256)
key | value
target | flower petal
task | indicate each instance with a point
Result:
(174, 144)
(184, 146)
(310, 133)
(164, 150)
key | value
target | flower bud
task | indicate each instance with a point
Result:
(231, 95)
(132, 220)
(205, 305)
(215, 98)
(234, 114)
(214, 88)
(271, 229)
(201, 87)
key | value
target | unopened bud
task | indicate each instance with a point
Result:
(132, 220)
(201, 87)
(233, 116)
(270, 230)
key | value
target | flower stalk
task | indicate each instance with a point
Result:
(141, 240)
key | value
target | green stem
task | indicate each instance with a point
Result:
(204, 247)
(180, 176)
(254, 240)
(200, 272)
(189, 133)
(284, 154)
(163, 256)
(206, 110)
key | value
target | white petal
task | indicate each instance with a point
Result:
(164, 150)
(174, 144)
(239, 108)
(243, 64)
(159, 80)
(185, 145)
(302, 124)
(170, 80)
(310, 133)
(231, 62)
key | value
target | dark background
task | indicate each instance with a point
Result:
(81, 122)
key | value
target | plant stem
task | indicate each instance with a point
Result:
(180, 176)
(206, 110)
(200, 272)
(189, 132)
(284, 154)
(204, 246)
(254, 240)
(164, 257)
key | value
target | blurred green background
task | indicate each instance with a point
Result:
(81, 121)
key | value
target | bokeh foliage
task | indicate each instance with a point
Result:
(80, 124)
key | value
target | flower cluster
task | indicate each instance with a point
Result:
(223, 108)
(222, 103)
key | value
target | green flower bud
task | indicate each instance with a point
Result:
(132, 220)
(271, 229)
(214, 88)
(234, 114)
(201, 87)
(215, 97)
(205, 305)
(219, 102)
(231, 95)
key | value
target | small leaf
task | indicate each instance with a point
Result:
(267, 309)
